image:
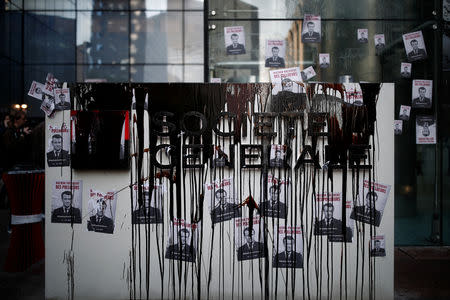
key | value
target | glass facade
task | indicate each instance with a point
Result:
(183, 41)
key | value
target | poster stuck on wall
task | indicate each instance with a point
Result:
(58, 146)
(102, 211)
(67, 201)
(182, 241)
(288, 247)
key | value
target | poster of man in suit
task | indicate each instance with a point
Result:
(380, 43)
(286, 80)
(220, 197)
(414, 46)
(324, 60)
(275, 51)
(362, 35)
(277, 157)
(377, 246)
(398, 127)
(425, 130)
(404, 113)
(58, 146)
(102, 211)
(66, 201)
(274, 204)
(311, 29)
(183, 240)
(234, 40)
(288, 248)
(328, 217)
(405, 70)
(422, 93)
(308, 73)
(62, 99)
(250, 241)
(150, 212)
(371, 201)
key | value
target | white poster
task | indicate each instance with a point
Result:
(58, 146)
(275, 204)
(380, 42)
(275, 53)
(221, 199)
(234, 40)
(67, 201)
(377, 246)
(405, 70)
(414, 46)
(398, 127)
(102, 211)
(422, 93)
(250, 243)
(288, 247)
(215, 80)
(362, 35)
(324, 60)
(311, 29)
(286, 80)
(150, 212)
(425, 130)
(62, 99)
(328, 217)
(277, 158)
(36, 90)
(371, 203)
(404, 113)
(308, 73)
(183, 240)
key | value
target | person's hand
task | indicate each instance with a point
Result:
(27, 130)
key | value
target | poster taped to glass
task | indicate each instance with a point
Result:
(286, 80)
(311, 31)
(414, 46)
(275, 51)
(425, 130)
(234, 40)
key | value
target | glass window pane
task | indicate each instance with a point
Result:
(156, 37)
(193, 73)
(50, 5)
(11, 78)
(49, 37)
(194, 41)
(102, 37)
(328, 9)
(11, 31)
(167, 73)
(102, 73)
(193, 4)
(156, 4)
(102, 4)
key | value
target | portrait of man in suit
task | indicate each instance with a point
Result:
(63, 104)
(273, 207)
(66, 213)
(147, 214)
(416, 53)
(99, 222)
(397, 129)
(289, 258)
(422, 100)
(182, 250)
(58, 156)
(278, 160)
(406, 73)
(311, 36)
(287, 85)
(275, 61)
(377, 250)
(329, 225)
(379, 45)
(404, 114)
(362, 37)
(324, 62)
(235, 48)
(251, 249)
(224, 211)
(367, 213)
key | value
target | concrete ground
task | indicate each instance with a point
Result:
(420, 273)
